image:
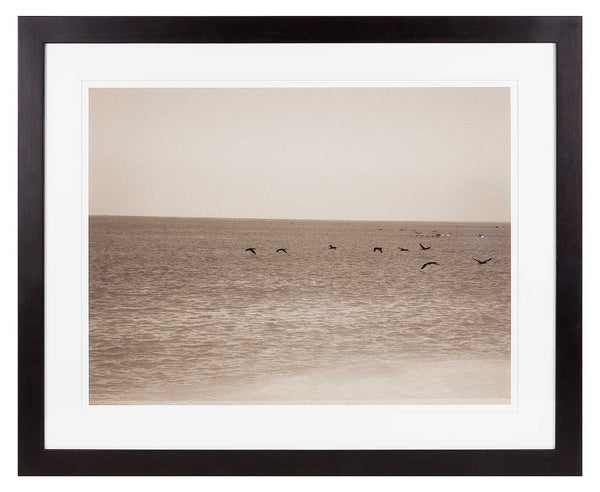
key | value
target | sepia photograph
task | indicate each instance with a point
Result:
(299, 245)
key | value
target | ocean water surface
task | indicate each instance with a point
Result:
(180, 313)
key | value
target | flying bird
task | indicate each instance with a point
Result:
(251, 250)
(483, 262)
(480, 235)
(378, 249)
(424, 247)
(281, 249)
(403, 249)
(332, 247)
(429, 263)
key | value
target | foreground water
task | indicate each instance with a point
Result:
(180, 313)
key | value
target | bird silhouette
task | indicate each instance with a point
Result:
(251, 250)
(483, 262)
(429, 263)
(378, 249)
(281, 249)
(424, 247)
(480, 235)
(403, 249)
(332, 247)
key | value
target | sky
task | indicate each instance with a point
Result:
(439, 154)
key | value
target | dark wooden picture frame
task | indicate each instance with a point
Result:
(564, 32)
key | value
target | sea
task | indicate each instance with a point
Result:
(181, 313)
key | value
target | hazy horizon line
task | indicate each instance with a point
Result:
(295, 219)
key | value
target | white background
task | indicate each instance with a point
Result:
(8, 245)
(70, 423)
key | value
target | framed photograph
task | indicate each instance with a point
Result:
(300, 246)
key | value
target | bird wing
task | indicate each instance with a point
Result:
(489, 259)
